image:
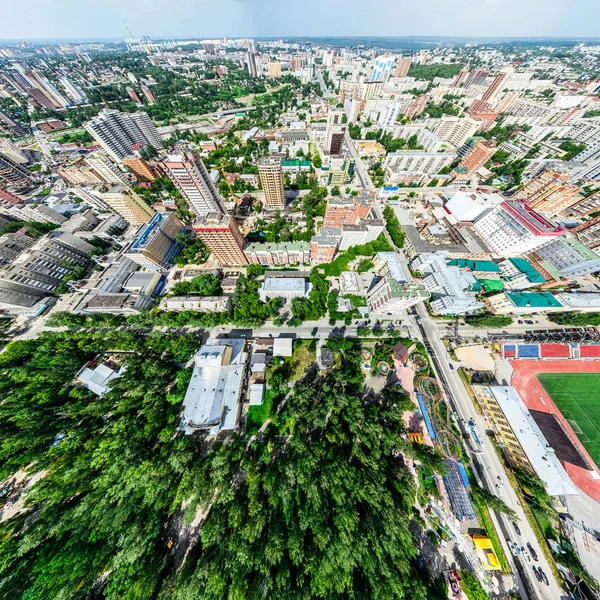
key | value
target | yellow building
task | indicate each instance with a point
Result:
(485, 552)
(274, 70)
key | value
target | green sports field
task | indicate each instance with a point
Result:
(577, 395)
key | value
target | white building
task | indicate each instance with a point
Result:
(569, 256)
(467, 207)
(389, 116)
(200, 303)
(284, 287)
(455, 130)
(397, 164)
(363, 233)
(211, 402)
(430, 141)
(451, 288)
(511, 229)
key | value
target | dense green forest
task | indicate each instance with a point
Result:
(324, 514)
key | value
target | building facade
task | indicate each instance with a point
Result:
(271, 177)
(222, 236)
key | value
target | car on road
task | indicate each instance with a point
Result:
(543, 576)
(526, 556)
(451, 366)
(532, 552)
(516, 528)
(499, 490)
(537, 573)
(513, 548)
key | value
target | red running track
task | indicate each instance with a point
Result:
(531, 391)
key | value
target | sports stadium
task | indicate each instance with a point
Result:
(560, 385)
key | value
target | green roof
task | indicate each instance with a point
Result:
(295, 163)
(576, 245)
(407, 290)
(492, 285)
(475, 265)
(527, 269)
(533, 300)
(551, 270)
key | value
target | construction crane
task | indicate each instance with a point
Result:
(233, 196)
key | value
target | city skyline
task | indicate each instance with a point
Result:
(263, 18)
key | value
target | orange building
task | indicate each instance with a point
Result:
(478, 156)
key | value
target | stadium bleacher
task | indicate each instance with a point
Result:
(529, 350)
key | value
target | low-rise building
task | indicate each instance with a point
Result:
(200, 303)
(121, 304)
(362, 233)
(284, 253)
(568, 255)
(212, 400)
(521, 438)
(284, 287)
(323, 248)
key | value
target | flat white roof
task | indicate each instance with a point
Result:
(541, 456)
(282, 346)
(284, 284)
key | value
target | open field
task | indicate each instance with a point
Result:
(577, 396)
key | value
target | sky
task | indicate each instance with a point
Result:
(28, 19)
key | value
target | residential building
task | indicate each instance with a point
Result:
(142, 170)
(550, 192)
(284, 253)
(521, 439)
(402, 67)
(200, 303)
(148, 94)
(274, 70)
(585, 206)
(480, 153)
(96, 374)
(393, 292)
(382, 67)
(105, 169)
(416, 107)
(515, 302)
(32, 213)
(284, 287)
(251, 62)
(118, 132)
(190, 176)
(323, 248)
(212, 402)
(477, 77)
(362, 233)
(429, 141)
(568, 255)
(455, 131)
(73, 91)
(271, 178)
(155, 245)
(397, 164)
(452, 289)
(340, 211)
(588, 233)
(133, 96)
(222, 237)
(334, 134)
(120, 199)
(511, 229)
(389, 116)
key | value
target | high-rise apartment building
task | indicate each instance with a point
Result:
(14, 174)
(274, 70)
(549, 192)
(271, 178)
(477, 157)
(118, 132)
(92, 169)
(190, 176)
(382, 67)
(106, 170)
(251, 62)
(140, 168)
(389, 116)
(456, 130)
(155, 245)
(402, 67)
(334, 135)
(417, 106)
(495, 87)
(120, 199)
(222, 237)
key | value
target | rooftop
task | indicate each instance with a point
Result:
(527, 269)
(284, 284)
(533, 300)
(488, 266)
(541, 456)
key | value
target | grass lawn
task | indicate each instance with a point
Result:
(292, 369)
(577, 395)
